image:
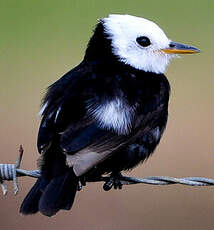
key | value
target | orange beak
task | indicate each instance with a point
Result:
(178, 48)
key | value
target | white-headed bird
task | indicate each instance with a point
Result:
(107, 114)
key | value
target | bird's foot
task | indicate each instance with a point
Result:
(114, 181)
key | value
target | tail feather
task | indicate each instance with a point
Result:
(30, 203)
(55, 189)
(59, 194)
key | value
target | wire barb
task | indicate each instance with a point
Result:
(12, 171)
(9, 172)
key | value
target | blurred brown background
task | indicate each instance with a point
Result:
(40, 41)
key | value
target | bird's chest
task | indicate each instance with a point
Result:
(114, 114)
(122, 99)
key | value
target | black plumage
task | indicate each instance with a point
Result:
(70, 133)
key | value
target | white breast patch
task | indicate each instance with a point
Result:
(114, 115)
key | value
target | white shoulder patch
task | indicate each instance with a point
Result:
(114, 115)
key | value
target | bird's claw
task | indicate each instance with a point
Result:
(114, 181)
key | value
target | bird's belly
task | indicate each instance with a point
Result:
(131, 155)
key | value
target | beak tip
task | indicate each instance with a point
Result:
(179, 48)
(195, 50)
(198, 51)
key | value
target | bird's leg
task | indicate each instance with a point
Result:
(114, 180)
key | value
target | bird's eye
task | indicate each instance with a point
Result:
(143, 41)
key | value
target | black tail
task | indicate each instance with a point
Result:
(30, 203)
(58, 194)
(55, 189)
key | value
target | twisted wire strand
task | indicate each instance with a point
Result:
(11, 172)
(6, 173)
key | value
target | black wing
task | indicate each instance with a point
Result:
(62, 105)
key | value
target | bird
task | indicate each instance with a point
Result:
(106, 115)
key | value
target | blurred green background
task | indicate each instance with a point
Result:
(41, 40)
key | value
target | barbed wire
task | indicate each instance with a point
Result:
(10, 172)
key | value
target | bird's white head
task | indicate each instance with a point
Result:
(141, 43)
